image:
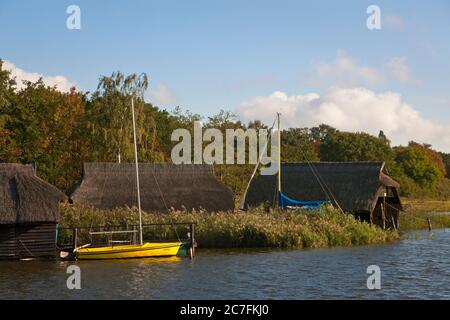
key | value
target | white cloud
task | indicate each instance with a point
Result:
(162, 95)
(61, 82)
(400, 69)
(351, 109)
(345, 71)
(392, 21)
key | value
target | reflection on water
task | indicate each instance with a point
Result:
(416, 267)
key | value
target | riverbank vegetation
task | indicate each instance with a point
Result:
(319, 228)
(419, 211)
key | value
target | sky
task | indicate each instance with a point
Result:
(313, 61)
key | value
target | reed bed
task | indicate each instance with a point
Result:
(418, 211)
(419, 220)
(325, 227)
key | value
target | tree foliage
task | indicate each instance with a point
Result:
(58, 132)
(446, 159)
(415, 164)
(347, 146)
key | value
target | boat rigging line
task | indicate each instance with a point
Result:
(137, 183)
(323, 185)
(328, 193)
(165, 204)
(241, 206)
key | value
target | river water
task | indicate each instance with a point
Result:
(417, 267)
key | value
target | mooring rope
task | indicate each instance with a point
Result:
(389, 205)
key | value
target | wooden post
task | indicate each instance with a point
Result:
(192, 241)
(398, 219)
(393, 223)
(383, 211)
(74, 238)
(429, 224)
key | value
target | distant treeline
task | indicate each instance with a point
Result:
(59, 131)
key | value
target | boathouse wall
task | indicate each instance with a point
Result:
(363, 189)
(28, 241)
(29, 213)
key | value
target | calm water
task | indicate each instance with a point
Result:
(415, 267)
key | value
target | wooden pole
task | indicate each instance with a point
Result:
(383, 211)
(429, 224)
(393, 223)
(74, 238)
(192, 241)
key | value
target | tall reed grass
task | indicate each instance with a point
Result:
(325, 227)
(418, 211)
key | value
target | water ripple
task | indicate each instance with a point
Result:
(415, 268)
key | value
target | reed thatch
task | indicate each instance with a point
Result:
(162, 186)
(355, 185)
(25, 198)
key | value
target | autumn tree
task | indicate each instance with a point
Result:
(347, 146)
(415, 164)
(446, 159)
(8, 147)
(431, 154)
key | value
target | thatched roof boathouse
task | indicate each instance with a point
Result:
(29, 213)
(361, 188)
(162, 187)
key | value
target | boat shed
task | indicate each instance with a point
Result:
(361, 188)
(162, 187)
(29, 213)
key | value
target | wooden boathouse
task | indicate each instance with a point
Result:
(162, 187)
(29, 213)
(361, 188)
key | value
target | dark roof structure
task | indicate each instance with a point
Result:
(162, 187)
(25, 198)
(355, 185)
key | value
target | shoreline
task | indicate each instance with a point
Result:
(279, 230)
(418, 211)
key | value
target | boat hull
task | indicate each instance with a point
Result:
(157, 249)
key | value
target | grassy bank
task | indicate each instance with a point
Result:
(315, 229)
(418, 211)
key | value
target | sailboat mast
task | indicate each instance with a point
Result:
(279, 153)
(137, 173)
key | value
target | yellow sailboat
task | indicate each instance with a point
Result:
(141, 250)
(148, 249)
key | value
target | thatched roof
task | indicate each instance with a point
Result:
(355, 185)
(25, 198)
(162, 186)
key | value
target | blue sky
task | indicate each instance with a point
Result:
(208, 55)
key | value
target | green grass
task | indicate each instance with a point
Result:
(418, 211)
(426, 205)
(419, 220)
(279, 229)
